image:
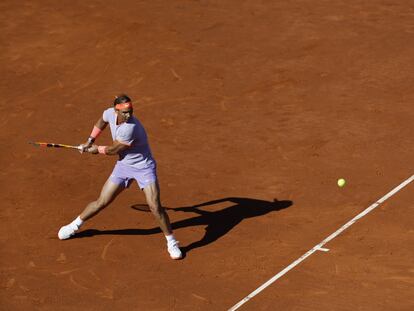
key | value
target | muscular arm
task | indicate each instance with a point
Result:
(101, 124)
(116, 148)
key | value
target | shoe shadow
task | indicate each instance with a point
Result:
(218, 223)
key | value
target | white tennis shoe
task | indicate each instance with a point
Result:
(67, 231)
(174, 250)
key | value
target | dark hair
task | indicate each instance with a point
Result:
(121, 98)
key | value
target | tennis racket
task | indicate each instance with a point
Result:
(51, 145)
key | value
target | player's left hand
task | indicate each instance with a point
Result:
(84, 147)
(92, 149)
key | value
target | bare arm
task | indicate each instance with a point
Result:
(114, 149)
(101, 125)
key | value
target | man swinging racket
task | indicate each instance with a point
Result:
(130, 143)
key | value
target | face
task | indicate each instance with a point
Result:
(124, 114)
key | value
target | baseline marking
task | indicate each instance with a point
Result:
(319, 246)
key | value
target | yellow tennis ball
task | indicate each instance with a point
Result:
(341, 182)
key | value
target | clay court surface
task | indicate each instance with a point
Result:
(245, 103)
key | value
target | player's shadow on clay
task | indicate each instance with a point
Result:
(218, 223)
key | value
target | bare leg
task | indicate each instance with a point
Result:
(152, 195)
(108, 193)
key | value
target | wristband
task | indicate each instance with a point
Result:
(95, 133)
(102, 149)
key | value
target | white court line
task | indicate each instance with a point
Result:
(319, 246)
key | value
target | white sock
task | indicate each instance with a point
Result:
(78, 222)
(170, 238)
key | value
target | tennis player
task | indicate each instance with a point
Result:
(130, 143)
